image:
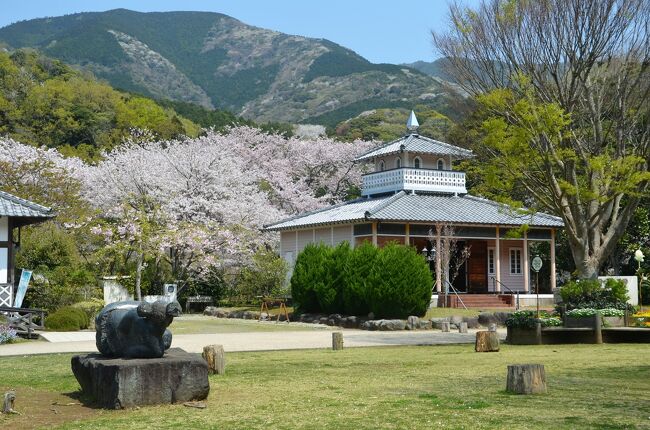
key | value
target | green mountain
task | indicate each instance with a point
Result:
(439, 68)
(214, 60)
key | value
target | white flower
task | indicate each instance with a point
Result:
(638, 256)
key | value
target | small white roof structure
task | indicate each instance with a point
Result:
(414, 143)
(412, 123)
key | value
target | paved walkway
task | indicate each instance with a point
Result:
(251, 341)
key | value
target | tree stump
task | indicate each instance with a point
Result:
(598, 328)
(337, 341)
(526, 379)
(216, 358)
(444, 326)
(462, 327)
(8, 404)
(487, 341)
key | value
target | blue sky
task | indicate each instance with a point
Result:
(383, 31)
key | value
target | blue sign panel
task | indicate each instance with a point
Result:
(25, 276)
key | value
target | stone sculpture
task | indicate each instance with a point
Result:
(134, 329)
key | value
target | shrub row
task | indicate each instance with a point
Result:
(67, 318)
(391, 282)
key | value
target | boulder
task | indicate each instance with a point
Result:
(472, 322)
(487, 318)
(390, 325)
(412, 323)
(456, 320)
(117, 383)
(425, 325)
(350, 322)
(264, 316)
(437, 322)
(502, 317)
(210, 311)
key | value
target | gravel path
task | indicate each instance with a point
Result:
(251, 341)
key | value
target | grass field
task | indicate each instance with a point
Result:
(590, 387)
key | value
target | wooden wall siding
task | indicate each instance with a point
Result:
(305, 237)
(514, 282)
(342, 234)
(323, 235)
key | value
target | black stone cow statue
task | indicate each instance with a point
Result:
(134, 329)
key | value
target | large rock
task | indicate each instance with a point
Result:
(487, 318)
(390, 325)
(413, 323)
(437, 322)
(117, 383)
(472, 322)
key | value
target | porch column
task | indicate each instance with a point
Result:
(497, 262)
(332, 235)
(553, 275)
(313, 235)
(525, 263)
(438, 259)
(374, 233)
(407, 235)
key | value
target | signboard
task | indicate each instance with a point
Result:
(537, 263)
(25, 276)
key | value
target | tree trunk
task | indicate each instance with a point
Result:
(215, 356)
(487, 341)
(526, 379)
(337, 341)
(138, 275)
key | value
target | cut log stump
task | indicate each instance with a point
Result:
(462, 327)
(526, 379)
(444, 326)
(337, 341)
(8, 404)
(216, 358)
(487, 341)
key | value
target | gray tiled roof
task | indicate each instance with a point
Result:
(354, 210)
(424, 208)
(418, 144)
(13, 206)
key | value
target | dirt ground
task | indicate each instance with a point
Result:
(42, 409)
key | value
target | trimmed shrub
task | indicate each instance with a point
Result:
(329, 292)
(400, 283)
(310, 271)
(90, 307)
(528, 319)
(593, 293)
(67, 318)
(361, 262)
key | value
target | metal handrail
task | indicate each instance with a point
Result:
(509, 289)
(455, 292)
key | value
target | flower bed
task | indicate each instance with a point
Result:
(7, 334)
(586, 317)
(642, 319)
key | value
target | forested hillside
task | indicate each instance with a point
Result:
(214, 60)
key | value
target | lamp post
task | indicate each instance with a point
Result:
(639, 257)
(429, 255)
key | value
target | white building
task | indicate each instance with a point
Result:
(413, 190)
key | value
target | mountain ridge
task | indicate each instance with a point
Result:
(217, 61)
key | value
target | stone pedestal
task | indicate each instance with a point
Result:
(116, 383)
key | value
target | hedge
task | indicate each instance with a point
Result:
(67, 318)
(391, 282)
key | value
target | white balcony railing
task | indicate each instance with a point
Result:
(411, 179)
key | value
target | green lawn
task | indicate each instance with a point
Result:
(199, 324)
(590, 387)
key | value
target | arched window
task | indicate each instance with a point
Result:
(417, 163)
(381, 165)
(398, 163)
(441, 164)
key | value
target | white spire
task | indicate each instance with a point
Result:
(412, 123)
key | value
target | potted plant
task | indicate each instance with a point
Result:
(586, 317)
(522, 326)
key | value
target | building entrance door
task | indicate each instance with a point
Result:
(477, 281)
